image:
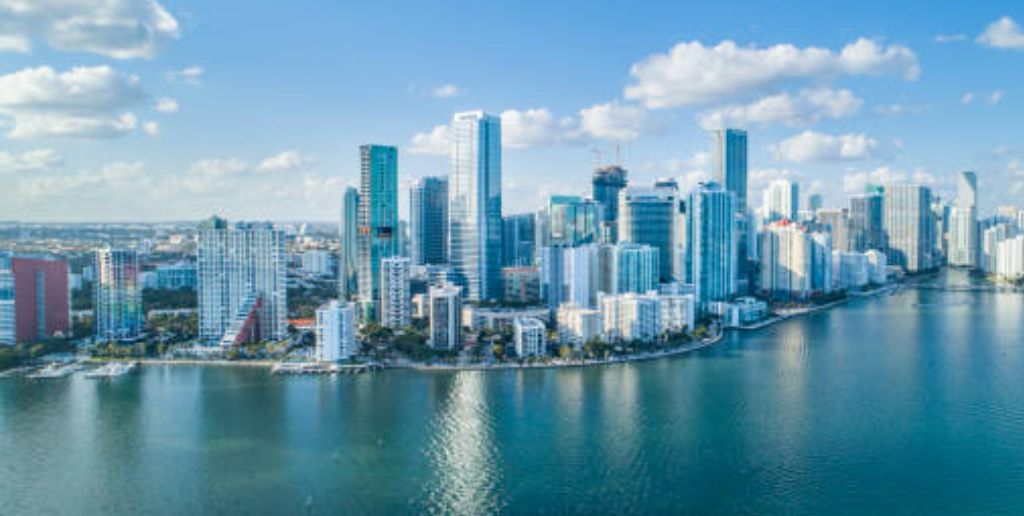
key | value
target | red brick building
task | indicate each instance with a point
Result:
(41, 300)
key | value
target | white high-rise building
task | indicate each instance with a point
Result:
(240, 276)
(850, 270)
(631, 316)
(395, 299)
(581, 275)
(963, 223)
(1010, 258)
(786, 260)
(712, 251)
(445, 317)
(908, 226)
(474, 204)
(577, 325)
(676, 312)
(781, 200)
(990, 239)
(336, 332)
(529, 336)
(627, 267)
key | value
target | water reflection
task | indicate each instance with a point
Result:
(464, 452)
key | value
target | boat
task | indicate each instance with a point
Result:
(112, 370)
(55, 370)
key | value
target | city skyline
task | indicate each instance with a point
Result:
(166, 124)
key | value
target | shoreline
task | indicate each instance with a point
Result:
(427, 368)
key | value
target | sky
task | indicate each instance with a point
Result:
(160, 110)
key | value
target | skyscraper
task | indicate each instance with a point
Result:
(378, 221)
(963, 223)
(627, 267)
(607, 183)
(117, 295)
(395, 299)
(908, 226)
(42, 307)
(348, 261)
(711, 252)
(241, 284)
(648, 216)
(781, 200)
(573, 220)
(518, 240)
(7, 319)
(837, 223)
(474, 203)
(730, 171)
(428, 221)
(866, 222)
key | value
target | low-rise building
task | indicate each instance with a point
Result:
(445, 318)
(740, 312)
(529, 337)
(577, 325)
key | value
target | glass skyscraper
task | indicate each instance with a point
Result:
(573, 220)
(866, 220)
(730, 171)
(241, 283)
(428, 221)
(474, 204)
(963, 223)
(348, 261)
(711, 244)
(117, 295)
(519, 240)
(909, 230)
(378, 221)
(648, 216)
(607, 183)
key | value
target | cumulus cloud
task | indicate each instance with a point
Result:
(805, 108)
(287, 161)
(532, 127)
(436, 142)
(121, 29)
(446, 91)
(84, 102)
(190, 75)
(151, 128)
(613, 121)
(855, 181)
(166, 105)
(30, 161)
(1003, 33)
(814, 146)
(691, 73)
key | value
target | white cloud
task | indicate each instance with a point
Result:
(691, 73)
(30, 161)
(85, 102)
(532, 127)
(446, 91)
(436, 142)
(287, 161)
(992, 99)
(813, 146)
(166, 105)
(151, 128)
(121, 29)
(613, 121)
(190, 75)
(1003, 33)
(855, 181)
(805, 108)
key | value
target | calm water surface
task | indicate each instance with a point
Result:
(907, 404)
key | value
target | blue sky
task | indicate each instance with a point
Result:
(138, 110)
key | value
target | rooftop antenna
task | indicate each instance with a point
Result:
(618, 154)
(597, 157)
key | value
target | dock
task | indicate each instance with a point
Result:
(321, 368)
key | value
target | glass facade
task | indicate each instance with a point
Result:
(648, 216)
(428, 221)
(474, 203)
(711, 245)
(378, 221)
(909, 229)
(117, 304)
